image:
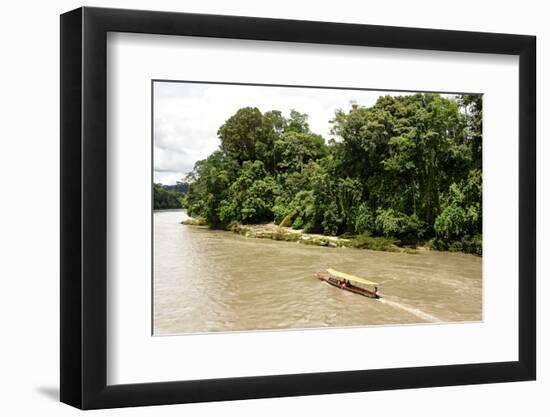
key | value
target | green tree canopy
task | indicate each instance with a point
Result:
(407, 168)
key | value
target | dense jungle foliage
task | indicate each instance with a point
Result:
(407, 169)
(168, 196)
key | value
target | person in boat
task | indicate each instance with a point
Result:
(376, 291)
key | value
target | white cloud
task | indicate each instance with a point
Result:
(167, 177)
(188, 115)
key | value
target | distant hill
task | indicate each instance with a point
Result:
(179, 187)
(169, 196)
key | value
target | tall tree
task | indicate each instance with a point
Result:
(407, 167)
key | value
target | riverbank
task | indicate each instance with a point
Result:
(194, 221)
(288, 234)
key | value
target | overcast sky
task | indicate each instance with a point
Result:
(187, 117)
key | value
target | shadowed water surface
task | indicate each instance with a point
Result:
(216, 281)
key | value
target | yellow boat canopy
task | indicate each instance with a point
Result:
(350, 277)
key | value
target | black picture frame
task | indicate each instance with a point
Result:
(84, 207)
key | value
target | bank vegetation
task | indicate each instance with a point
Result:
(402, 173)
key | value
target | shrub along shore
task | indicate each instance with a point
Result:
(274, 232)
(288, 234)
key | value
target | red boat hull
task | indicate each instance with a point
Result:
(351, 288)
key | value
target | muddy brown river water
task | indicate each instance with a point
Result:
(217, 281)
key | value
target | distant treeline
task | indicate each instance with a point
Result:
(169, 196)
(408, 168)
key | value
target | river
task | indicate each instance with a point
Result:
(217, 281)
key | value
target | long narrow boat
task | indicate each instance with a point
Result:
(344, 281)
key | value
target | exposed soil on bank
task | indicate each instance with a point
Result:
(288, 234)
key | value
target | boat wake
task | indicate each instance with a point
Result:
(414, 311)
